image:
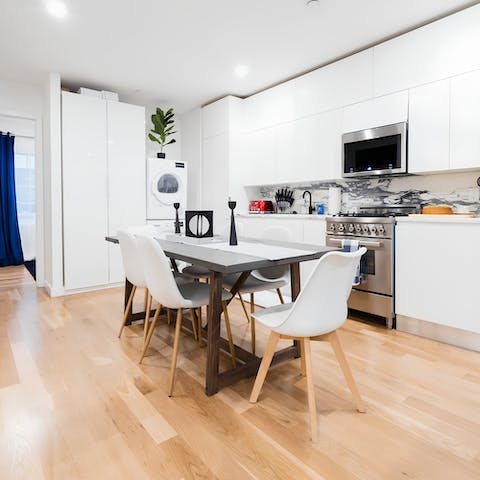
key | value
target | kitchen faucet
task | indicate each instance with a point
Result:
(310, 208)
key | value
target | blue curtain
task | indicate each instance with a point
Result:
(10, 243)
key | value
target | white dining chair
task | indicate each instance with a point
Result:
(320, 309)
(165, 290)
(272, 278)
(132, 266)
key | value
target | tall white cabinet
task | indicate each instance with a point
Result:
(103, 159)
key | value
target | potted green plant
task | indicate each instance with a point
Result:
(163, 125)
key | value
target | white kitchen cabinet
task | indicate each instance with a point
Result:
(376, 112)
(103, 163)
(309, 149)
(437, 272)
(215, 179)
(260, 157)
(84, 152)
(429, 128)
(341, 83)
(314, 232)
(270, 107)
(436, 51)
(215, 118)
(126, 175)
(465, 121)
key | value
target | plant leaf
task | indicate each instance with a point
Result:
(153, 139)
(171, 141)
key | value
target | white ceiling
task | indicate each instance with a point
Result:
(183, 52)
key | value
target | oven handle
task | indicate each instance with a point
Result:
(338, 242)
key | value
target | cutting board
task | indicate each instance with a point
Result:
(445, 215)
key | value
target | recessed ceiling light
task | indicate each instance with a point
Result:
(57, 9)
(241, 71)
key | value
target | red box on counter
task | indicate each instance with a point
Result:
(260, 206)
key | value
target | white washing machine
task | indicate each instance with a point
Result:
(166, 185)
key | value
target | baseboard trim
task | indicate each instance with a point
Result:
(441, 333)
(53, 292)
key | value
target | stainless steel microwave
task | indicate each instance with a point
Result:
(375, 151)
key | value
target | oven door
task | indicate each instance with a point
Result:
(376, 264)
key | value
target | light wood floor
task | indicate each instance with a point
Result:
(75, 404)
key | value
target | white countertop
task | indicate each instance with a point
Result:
(439, 219)
(287, 216)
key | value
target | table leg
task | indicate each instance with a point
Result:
(128, 290)
(213, 332)
(295, 289)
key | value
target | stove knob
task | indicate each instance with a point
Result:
(365, 228)
(341, 227)
(381, 229)
(332, 227)
(351, 228)
(373, 229)
(358, 228)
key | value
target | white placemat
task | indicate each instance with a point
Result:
(270, 252)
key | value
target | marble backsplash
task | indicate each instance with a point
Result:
(458, 190)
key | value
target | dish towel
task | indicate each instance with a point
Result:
(352, 246)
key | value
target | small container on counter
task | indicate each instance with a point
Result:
(320, 209)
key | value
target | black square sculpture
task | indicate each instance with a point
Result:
(199, 223)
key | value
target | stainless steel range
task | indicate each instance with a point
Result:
(374, 228)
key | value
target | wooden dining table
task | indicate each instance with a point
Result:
(226, 261)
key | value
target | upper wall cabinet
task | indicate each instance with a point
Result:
(309, 149)
(436, 51)
(215, 118)
(376, 112)
(342, 83)
(270, 107)
(429, 127)
(465, 121)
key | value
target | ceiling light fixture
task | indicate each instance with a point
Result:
(241, 71)
(57, 9)
(312, 2)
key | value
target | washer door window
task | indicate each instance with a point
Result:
(166, 186)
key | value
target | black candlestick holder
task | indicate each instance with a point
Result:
(177, 220)
(233, 231)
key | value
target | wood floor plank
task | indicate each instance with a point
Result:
(74, 403)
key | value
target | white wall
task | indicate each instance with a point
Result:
(26, 101)
(191, 152)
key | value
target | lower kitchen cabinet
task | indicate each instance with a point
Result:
(300, 230)
(437, 266)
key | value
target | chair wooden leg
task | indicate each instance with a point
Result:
(280, 296)
(229, 333)
(127, 309)
(145, 300)
(252, 322)
(264, 366)
(178, 326)
(199, 317)
(310, 390)
(169, 316)
(302, 356)
(194, 326)
(146, 343)
(337, 348)
(244, 306)
(147, 316)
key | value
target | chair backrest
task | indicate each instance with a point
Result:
(272, 274)
(321, 306)
(158, 274)
(132, 264)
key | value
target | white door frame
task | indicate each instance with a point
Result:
(39, 203)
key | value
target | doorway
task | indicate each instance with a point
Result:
(24, 132)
